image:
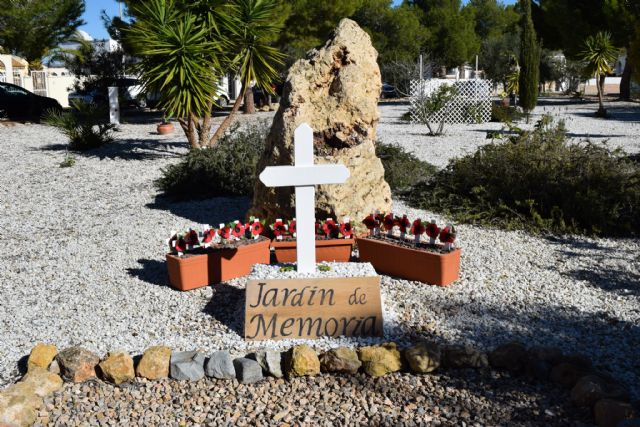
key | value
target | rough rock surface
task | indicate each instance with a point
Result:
(423, 357)
(302, 360)
(220, 366)
(341, 359)
(41, 382)
(610, 413)
(117, 367)
(77, 364)
(41, 355)
(248, 371)
(154, 363)
(270, 361)
(463, 356)
(187, 365)
(335, 90)
(18, 406)
(591, 388)
(379, 360)
(510, 356)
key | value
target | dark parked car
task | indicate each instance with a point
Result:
(388, 91)
(17, 103)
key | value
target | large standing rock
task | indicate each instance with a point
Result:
(302, 361)
(423, 357)
(41, 382)
(187, 366)
(379, 360)
(342, 359)
(220, 366)
(77, 364)
(335, 90)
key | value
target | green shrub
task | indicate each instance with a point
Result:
(402, 169)
(539, 181)
(85, 125)
(503, 114)
(406, 117)
(227, 169)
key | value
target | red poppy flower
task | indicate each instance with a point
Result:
(417, 228)
(379, 217)
(224, 232)
(279, 229)
(191, 239)
(370, 222)
(346, 230)
(292, 227)
(388, 222)
(208, 236)
(256, 228)
(448, 234)
(177, 244)
(433, 230)
(403, 223)
(238, 230)
(330, 228)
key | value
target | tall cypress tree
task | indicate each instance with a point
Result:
(529, 60)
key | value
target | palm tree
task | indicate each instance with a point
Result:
(186, 47)
(253, 27)
(599, 53)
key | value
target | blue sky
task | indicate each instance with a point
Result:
(94, 25)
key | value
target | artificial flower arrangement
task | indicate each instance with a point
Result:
(334, 241)
(397, 246)
(376, 222)
(191, 241)
(197, 259)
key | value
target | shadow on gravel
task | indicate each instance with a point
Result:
(615, 114)
(616, 280)
(208, 211)
(227, 307)
(151, 271)
(128, 149)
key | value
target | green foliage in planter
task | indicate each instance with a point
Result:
(538, 181)
(402, 169)
(227, 169)
(85, 125)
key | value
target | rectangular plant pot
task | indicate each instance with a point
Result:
(410, 264)
(330, 250)
(195, 271)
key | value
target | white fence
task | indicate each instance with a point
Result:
(471, 103)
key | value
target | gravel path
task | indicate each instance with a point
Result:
(619, 132)
(83, 260)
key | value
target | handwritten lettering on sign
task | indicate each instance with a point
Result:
(311, 308)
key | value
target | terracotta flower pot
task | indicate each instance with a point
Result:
(330, 250)
(165, 128)
(193, 271)
(434, 268)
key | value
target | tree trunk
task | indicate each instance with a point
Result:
(600, 86)
(188, 127)
(625, 81)
(249, 104)
(206, 126)
(229, 119)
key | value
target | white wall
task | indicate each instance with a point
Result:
(58, 87)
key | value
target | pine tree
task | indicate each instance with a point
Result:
(529, 60)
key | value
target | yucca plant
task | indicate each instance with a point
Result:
(600, 53)
(186, 47)
(85, 125)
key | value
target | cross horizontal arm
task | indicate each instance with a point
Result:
(298, 176)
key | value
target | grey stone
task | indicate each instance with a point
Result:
(220, 366)
(248, 371)
(457, 356)
(187, 365)
(270, 362)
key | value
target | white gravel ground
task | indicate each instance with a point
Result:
(82, 260)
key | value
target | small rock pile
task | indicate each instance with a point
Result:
(47, 368)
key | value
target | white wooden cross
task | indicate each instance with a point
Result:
(304, 175)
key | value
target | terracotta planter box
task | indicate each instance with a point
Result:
(193, 271)
(434, 268)
(330, 250)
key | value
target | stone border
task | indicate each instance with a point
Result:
(47, 369)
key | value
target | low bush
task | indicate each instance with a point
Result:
(227, 169)
(402, 169)
(538, 181)
(504, 114)
(85, 125)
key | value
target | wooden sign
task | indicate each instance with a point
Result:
(311, 308)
